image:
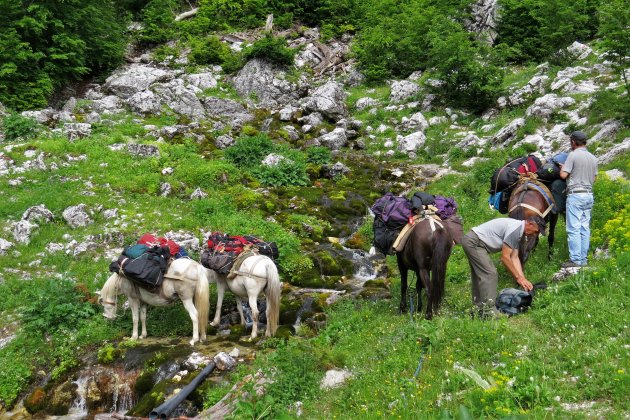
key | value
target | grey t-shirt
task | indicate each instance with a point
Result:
(581, 166)
(501, 231)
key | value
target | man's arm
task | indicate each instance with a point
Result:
(509, 258)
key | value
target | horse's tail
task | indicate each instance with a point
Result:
(202, 299)
(273, 297)
(442, 245)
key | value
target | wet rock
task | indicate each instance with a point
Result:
(22, 231)
(402, 90)
(328, 100)
(38, 213)
(224, 361)
(76, 216)
(196, 361)
(143, 150)
(335, 378)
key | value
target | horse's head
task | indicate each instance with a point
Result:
(107, 297)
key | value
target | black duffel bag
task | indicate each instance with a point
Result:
(221, 262)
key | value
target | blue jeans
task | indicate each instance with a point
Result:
(579, 208)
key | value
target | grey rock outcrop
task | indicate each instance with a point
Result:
(76, 131)
(129, 80)
(548, 104)
(38, 214)
(412, 142)
(617, 150)
(328, 100)
(5, 246)
(145, 103)
(202, 81)
(143, 150)
(483, 20)
(401, 90)
(22, 231)
(334, 140)
(415, 122)
(198, 194)
(224, 141)
(509, 131)
(266, 82)
(180, 98)
(332, 171)
(226, 108)
(77, 216)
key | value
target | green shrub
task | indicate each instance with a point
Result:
(249, 151)
(289, 171)
(54, 305)
(318, 155)
(537, 29)
(14, 376)
(158, 21)
(16, 126)
(271, 48)
(613, 29)
(208, 50)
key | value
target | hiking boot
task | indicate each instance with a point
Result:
(570, 264)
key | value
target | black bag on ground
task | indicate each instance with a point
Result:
(514, 301)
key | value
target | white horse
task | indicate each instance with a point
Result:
(185, 279)
(256, 274)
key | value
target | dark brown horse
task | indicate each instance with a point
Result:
(528, 199)
(426, 252)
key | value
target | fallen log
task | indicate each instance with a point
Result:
(187, 14)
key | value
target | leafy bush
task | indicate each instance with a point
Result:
(16, 126)
(14, 376)
(54, 305)
(158, 20)
(45, 44)
(249, 151)
(613, 29)
(470, 72)
(537, 29)
(318, 155)
(290, 170)
(210, 50)
(271, 48)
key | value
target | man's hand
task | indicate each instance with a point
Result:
(525, 284)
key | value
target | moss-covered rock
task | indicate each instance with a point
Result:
(35, 401)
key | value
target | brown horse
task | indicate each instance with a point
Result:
(528, 199)
(426, 252)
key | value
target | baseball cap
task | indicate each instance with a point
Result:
(578, 135)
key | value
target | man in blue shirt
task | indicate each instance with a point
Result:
(580, 170)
